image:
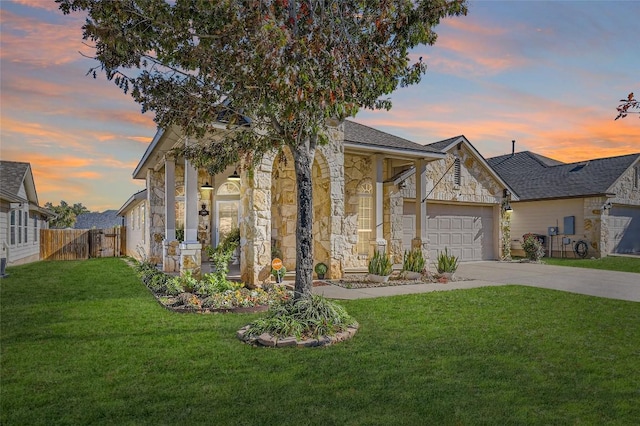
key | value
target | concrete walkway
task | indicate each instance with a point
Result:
(593, 282)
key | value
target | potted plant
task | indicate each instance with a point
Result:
(379, 267)
(279, 274)
(413, 264)
(447, 264)
(321, 269)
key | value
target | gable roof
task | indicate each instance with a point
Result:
(106, 219)
(131, 202)
(13, 174)
(534, 177)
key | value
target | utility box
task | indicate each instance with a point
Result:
(569, 225)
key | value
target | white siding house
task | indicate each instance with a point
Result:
(21, 218)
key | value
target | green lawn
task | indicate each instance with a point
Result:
(84, 342)
(610, 263)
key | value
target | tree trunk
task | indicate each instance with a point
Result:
(303, 155)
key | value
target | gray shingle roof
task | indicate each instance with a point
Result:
(104, 220)
(533, 176)
(12, 175)
(364, 135)
(440, 145)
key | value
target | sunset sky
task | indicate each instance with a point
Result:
(547, 74)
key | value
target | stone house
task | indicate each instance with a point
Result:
(596, 201)
(371, 191)
(21, 218)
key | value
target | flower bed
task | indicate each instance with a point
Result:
(212, 293)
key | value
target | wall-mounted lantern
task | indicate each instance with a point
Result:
(204, 212)
(506, 198)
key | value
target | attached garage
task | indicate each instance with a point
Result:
(624, 229)
(465, 230)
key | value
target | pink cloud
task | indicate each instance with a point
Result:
(41, 44)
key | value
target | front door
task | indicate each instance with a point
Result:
(227, 216)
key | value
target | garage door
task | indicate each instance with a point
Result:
(466, 231)
(624, 229)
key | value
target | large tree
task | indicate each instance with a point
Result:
(66, 214)
(292, 67)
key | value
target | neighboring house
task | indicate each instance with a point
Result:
(597, 201)
(105, 220)
(21, 218)
(365, 194)
(134, 216)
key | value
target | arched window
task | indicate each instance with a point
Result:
(365, 206)
(228, 188)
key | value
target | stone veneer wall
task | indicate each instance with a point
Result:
(596, 231)
(155, 199)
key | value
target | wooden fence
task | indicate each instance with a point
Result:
(72, 244)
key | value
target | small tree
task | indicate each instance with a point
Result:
(292, 67)
(628, 104)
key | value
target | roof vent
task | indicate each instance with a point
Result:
(579, 167)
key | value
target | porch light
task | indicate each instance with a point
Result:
(206, 186)
(234, 176)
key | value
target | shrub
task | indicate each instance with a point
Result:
(311, 316)
(173, 286)
(321, 268)
(447, 263)
(532, 247)
(215, 283)
(413, 261)
(380, 264)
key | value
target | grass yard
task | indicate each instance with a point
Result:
(84, 342)
(610, 263)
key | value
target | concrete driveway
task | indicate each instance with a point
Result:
(593, 282)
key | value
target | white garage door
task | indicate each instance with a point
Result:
(466, 231)
(624, 229)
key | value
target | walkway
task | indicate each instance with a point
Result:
(593, 282)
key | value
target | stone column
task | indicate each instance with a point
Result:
(420, 240)
(190, 249)
(255, 225)
(334, 154)
(170, 246)
(377, 213)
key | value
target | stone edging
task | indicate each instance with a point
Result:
(268, 340)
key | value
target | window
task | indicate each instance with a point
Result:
(142, 218)
(365, 199)
(138, 214)
(35, 228)
(26, 225)
(133, 223)
(19, 229)
(636, 177)
(13, 228)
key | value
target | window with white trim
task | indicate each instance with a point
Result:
(12, 226)
(142, 218)
(19, 228)
(35, 228)
(365, 206)
(26, 226)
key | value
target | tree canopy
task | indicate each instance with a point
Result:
(291, 67)
(66, 214)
